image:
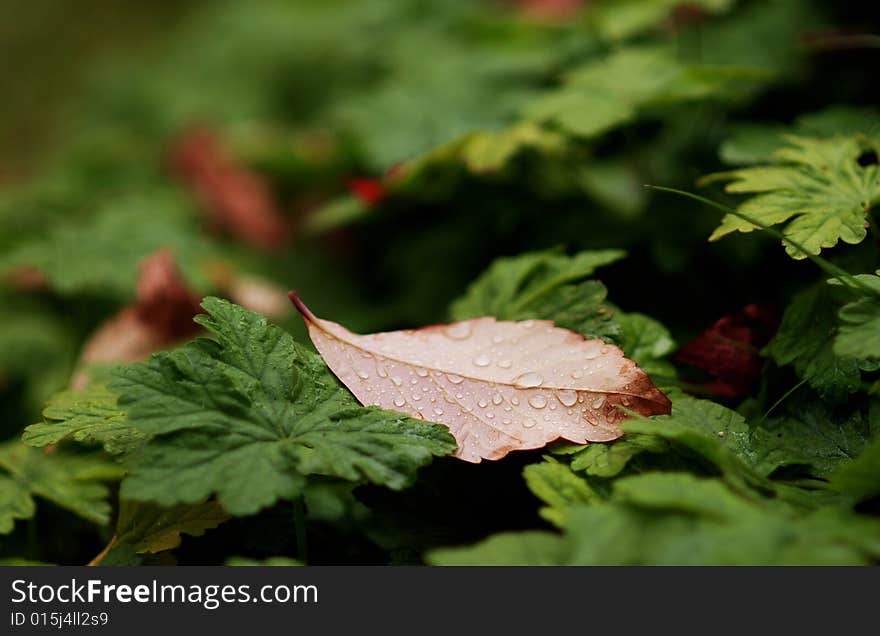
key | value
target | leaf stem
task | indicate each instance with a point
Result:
(784, 397)
(825, 265)
(301, 307)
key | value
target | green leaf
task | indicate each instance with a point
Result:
(757, 143)
(805, 339)
(145, 527)
(557, 486)
(647, 342)
(543, 285)
(680, 519)
(277, 561)
(619, 19)
(815, 435)
(606, 93)
(72, 482)
(860, 477)
(815, 186)
(89, 417)
(513, 548)
(247, 416)
(607, 460)
(859, 333)
(15, 503)
(102, 254)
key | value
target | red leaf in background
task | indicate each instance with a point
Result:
(161, 316)
(729, 349)
(236, 199)
(369, 191)
(550, 9)
(26, 278)
(686, 14)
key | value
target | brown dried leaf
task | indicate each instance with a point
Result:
(251, 292)
(236, 198)
(499, 386)
(161, 316)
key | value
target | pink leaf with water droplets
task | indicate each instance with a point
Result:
(499, 386)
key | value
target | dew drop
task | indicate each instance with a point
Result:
(454, 379)
(422, 373)
(482, 361)
(414, 381)
(363, 375)
(505, 364)
(381, 372)
(399, 401)
(538, 401)
(529, 423)
(397, 381)
(626, 401)
(598, 403)
(497, 399)
(482, 403)
(416, 397)
(497, 339)
(490, 414)
(528, 380)
(459, 330)
(566, 397)
(438, 411)
(577, 374)
(514, 400)
(505, 421)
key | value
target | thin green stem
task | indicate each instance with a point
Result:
(782, 399)
(828, 267)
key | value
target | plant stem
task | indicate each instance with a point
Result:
(828, 267)
(782, 399)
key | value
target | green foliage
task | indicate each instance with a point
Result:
(858, 335)
(101, 256)
(254, 404)
(605, 94)
(557, 486)
(73, 482)
(90, 417)
(860, 477)
(806, 340)
(147, 528)
(674, 518)
(816, 186)
(271, 561)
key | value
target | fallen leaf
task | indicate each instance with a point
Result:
(729, 350)
(499, 386)
(236, 198)
(161, 316)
